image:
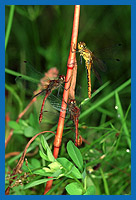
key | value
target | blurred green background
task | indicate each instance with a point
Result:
(42, 35)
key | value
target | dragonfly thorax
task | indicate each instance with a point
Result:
(73, 109)
(85, 52)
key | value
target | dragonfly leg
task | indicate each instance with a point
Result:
(73, 49)
(58, 91)
(39, 93)
(68, 80)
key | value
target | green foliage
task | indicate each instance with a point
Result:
(75, 155)
(41, 35)
(62, 167)
(74, 188)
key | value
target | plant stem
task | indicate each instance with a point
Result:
(21, 160)
(70, 66)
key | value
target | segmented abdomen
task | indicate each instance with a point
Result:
(41, 112)
(88, 67)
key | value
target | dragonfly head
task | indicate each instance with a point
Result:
(62, 77)
(72, 101)
(81, 46)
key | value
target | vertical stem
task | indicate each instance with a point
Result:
(12, 8)
(70, 66)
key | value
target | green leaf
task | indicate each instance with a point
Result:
(106, 187)
(74, 188)
(84, 174)
(35, 163)
(14, 125)
(46, 147)
(32, 184)
(43, 155)
(49, 172)
(23, 123)
(43, 172)
(58, 173)
(71, 170)
(55, 165)
(20, 132)
(31, 120)
(75, 154)
(29, 131)
(90, 190)
(43, 143)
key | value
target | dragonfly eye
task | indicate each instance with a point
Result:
(81, 45)
(61, 77)
(72, 101)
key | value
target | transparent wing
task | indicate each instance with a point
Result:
(108, 53)
(30, 78)
(97, 75)
(52, 108)
(99, 63)
(55, 102)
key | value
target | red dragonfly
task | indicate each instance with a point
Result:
(74, 115)
(46, 86)
(74, 112)
(52, 85)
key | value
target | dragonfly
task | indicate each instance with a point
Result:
(72, 110)
(46, 86)
(90, 58)
(74, 115)
(52, 85)
(91, 61)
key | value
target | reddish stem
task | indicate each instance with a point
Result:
(21, 160)
(70, 66)
(8, 155)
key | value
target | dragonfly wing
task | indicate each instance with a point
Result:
(110, 53)
(97, 75)
(100, 64)
(43, 92)
(55, 102)
(32, 72)
(28, 81)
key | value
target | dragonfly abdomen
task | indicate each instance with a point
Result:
(88, 67)
(41, 112)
